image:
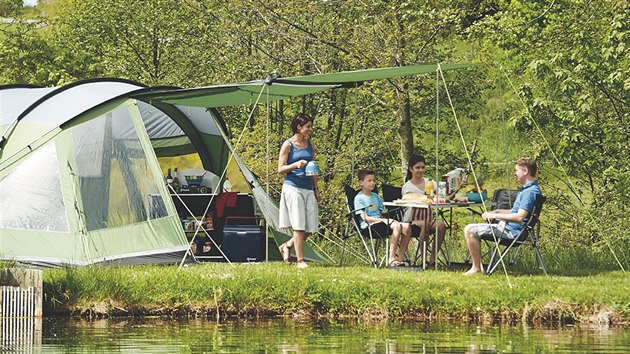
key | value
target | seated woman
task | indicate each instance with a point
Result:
(421, 218)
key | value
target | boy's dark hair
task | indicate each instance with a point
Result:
(528, 163)
(414, 159)
(364, 173)
(300, 119)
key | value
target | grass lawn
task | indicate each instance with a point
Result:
(274, 289)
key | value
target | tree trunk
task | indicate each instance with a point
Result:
(405, 131)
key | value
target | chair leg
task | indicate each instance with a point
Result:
(494, 249)
(514, 255)
(385, 258)
(374, 248)
(343, 249)
(367, 250)
(503, 254)
(540, 260)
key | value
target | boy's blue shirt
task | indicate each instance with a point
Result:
(361, 201)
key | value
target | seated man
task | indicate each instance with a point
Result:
(369, 205)
(511, 222)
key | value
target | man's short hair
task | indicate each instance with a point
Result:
(528, 163)
(365, 173)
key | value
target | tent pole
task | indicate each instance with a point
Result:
(437, 156)
(267, 171)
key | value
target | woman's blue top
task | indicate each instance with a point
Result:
(297, 178)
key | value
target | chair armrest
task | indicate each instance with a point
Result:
(474, 211)
(351, 212)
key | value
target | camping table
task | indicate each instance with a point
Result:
(442, 208)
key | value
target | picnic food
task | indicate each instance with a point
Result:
(460, 198)
(414, 198)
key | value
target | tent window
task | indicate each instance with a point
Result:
(116, 182)
(31, 196)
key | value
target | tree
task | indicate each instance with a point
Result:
(571, 62)
(10, 8)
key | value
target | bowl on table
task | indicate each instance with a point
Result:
(476, 197)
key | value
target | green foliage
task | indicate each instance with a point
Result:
(10, 8)
(570, 60)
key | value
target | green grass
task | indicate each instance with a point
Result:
(274, 289)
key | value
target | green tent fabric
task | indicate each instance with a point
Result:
(274, 88)
(309, 253)
(358, 76)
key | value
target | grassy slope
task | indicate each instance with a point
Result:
(272, 289)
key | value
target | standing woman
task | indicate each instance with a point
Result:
(300, 195)
(416, 183)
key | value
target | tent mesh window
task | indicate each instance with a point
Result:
(116, 183)
(31, 197)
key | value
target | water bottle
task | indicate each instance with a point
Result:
(441, 191)
(430, 188)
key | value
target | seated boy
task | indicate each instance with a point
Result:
(369, 205)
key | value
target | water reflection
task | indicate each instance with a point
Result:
(21, 334)
(287, 336)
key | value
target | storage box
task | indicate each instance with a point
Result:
(455, 180)
(243, 243)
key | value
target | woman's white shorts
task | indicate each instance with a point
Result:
(298, 209)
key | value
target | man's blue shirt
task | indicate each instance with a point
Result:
(524, 200)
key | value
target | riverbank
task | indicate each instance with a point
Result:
(218, 290)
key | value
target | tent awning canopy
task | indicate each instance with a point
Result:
(273, 89)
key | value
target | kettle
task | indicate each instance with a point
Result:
(312, 168)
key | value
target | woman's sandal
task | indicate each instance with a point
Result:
(429, 265)
(301, 264)
(285, 251)
(396, 263)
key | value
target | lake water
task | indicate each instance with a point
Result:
(288, 336)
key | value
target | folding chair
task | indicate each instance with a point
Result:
(372, 237)
(529, 235)
(391, 193)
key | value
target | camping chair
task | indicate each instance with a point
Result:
(529, 235)
(372, 237)
(391, 193)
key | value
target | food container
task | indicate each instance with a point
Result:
(476, 197)
(194, 180)
(455, 179)
(441, 191)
